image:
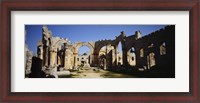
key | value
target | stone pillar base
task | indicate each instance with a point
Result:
(75, 67)
(86, 66)
(51, 72)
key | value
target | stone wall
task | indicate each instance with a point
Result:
(137, 51)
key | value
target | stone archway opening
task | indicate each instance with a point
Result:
(84, 59)
(60, 55)
(102, 57)
(105, 56)
(151, 61)
(119, 54)
(84, 56)
(131, 57)
(102, 61)
(163, 49)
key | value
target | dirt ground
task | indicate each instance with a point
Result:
(95, 73)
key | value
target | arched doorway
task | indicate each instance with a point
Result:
(131, 57)
(151, 60)
(119, 54)
(102, 57)
(56, 53)
(83, 58)
(60, 55)
(102, 61)
(108, 53)
(86, 57)
(163, 49)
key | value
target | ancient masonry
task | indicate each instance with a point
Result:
(156, 49)
(28, 58)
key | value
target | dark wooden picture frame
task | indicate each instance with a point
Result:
(193, 96)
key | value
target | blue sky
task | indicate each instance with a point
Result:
(85, 33)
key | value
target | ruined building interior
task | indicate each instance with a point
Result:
(141, 54)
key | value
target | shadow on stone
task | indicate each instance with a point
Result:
(51, 76)
(36, 68)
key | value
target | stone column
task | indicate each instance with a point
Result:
(75, 60)
(116, 56)
(124, 56)
(90, 59)
(65, 56)
(46, 41)
(40, 52)
(53, 57)
(95, 59)
(148, 60)
(113, 58)
(46, 55)
(104, 64)
(67, 59)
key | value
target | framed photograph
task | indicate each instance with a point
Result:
(139, 51)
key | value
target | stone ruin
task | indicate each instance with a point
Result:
(155, 51)
(28, 60)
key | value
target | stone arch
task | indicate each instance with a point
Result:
(131, 56)
(123, 57)
(141, 52)
(56, 42)
(101, 44)
(120, 55)
(99, 47)
(60, 42)
(108, 51)
(102, 61)
(163, 48)
(151, 60)
(102, 51)
(150, 45)
(80, 44)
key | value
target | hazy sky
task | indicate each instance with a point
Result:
(85, 33)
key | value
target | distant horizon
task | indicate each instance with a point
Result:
(85, 33)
